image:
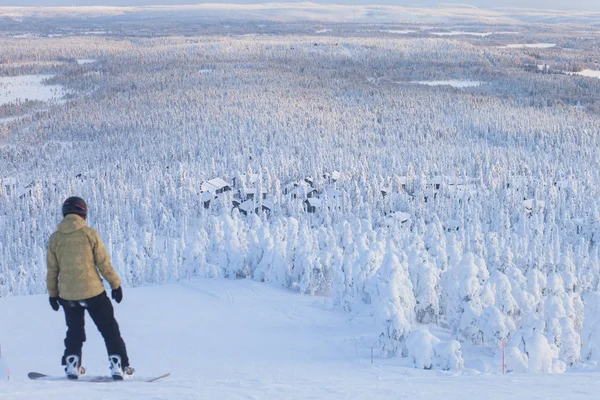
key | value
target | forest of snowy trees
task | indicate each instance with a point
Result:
(476, 210)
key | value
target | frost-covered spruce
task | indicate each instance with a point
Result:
(425, 281)
(395, 302)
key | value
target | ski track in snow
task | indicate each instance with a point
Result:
(224, 339)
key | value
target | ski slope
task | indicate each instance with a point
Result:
(224, 339)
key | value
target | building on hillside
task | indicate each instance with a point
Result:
(216, 186)
(9, 185)
(300, 190)
(402, 181)
(534, 205)
(267, 206)
(434, 183)
(211, 189)
(451, 225)
(312, 205)
(395, 218)
(206, 198)
(250, 206)
(579, 224)
(251, 193)
(333, 198)
(332, 178)
(247, 207)
(457, 185)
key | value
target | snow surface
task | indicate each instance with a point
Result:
(453, 83)
(529, 46)
(398, 32)
(82, 61)
(28, 87)
(463, 33)
(240, 339)
(589, 73)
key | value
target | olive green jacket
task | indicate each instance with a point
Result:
(76, 257)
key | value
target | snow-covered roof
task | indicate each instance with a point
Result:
(296, 184)
(315, 202)
(9, 181)
(206, 196)
(454, 180)
(214, 184)
(268, 203)
(462, 188)
(400, 216)
(333, 193)
(436, 180)
(579, 221)
(394, 218)
(248, 206)
(451, 224)
(248, 191)
(531, 203)
(301, 190)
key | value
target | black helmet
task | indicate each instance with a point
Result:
(75, 205)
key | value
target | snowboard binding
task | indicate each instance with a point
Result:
(73, 367)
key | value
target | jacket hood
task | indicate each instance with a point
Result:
(71, 223)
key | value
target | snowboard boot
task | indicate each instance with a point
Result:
(117, 371)
(73, 367)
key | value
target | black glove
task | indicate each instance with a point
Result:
(54, 303)
(117, 294)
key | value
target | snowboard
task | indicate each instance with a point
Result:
(92, 378)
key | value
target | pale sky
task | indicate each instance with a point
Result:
(556, 4)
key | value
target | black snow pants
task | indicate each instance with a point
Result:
(101, 310)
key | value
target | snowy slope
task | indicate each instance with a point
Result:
(224, 339)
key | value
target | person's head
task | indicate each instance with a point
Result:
(75, 205)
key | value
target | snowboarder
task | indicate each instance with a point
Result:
(76, 257)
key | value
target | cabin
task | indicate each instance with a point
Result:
(249, 206)
(334, 198)
(402, 181)
(267, 206)
(251, 193)
(332, 178)
(579, 224)
(434, 183)
(216, 186)
(395, 218)
(538, 68)
(534, 205)
(206, 198)
(451, 225)
(458, 185)
(301, 190)
(25, 191)
(312, 205)
(9, 185)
